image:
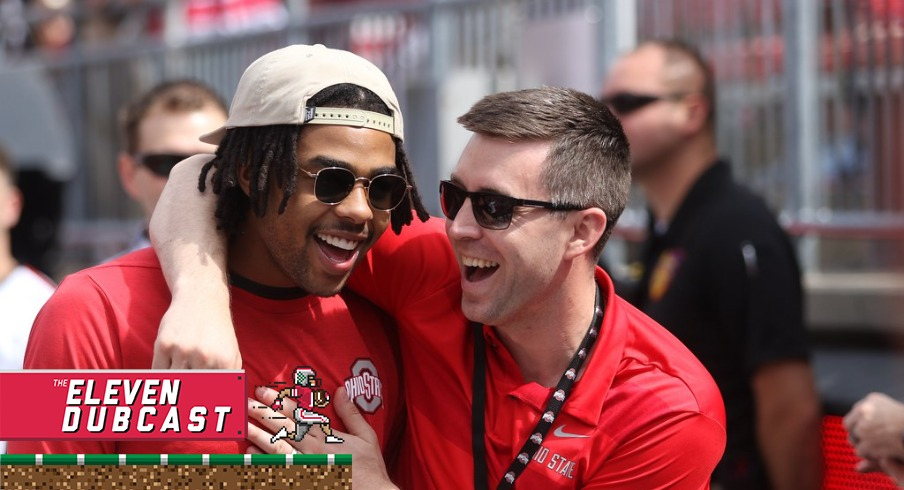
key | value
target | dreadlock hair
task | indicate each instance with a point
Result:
(271, 153)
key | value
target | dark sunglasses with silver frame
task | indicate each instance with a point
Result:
(333, 184)
(491, 211)
(159, 163)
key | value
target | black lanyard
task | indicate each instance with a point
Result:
(553, 405)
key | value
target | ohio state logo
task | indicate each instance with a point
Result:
(364, 386)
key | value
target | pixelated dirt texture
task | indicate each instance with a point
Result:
(103, 477)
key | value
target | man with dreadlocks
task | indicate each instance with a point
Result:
(308, 173)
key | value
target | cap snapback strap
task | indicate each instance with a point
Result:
(349, 117)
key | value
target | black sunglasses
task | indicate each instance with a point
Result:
(333, 184)
(159, 163)
(623, 103)
(491, 211)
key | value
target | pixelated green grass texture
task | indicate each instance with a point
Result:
(177, 459)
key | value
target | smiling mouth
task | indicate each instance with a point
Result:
(478, 269)
(336, 248)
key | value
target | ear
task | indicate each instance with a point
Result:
(589, 226)
(128, 170)
(244, 177)
(695, 111)
(11, 209)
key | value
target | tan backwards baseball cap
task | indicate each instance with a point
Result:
(275, 90)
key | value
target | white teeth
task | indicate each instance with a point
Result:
(338, 242)
(475, 262)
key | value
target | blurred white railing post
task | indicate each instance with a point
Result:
(618, 31)
(802, 116)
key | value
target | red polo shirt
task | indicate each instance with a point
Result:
(645, 413)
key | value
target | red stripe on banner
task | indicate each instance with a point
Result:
(122, 405)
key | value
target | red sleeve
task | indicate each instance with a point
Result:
(676, 453)
(72, 331)
(406, 268)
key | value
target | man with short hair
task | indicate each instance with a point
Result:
(718, 270)
(507, 326)
(309, 172)
(160, 129)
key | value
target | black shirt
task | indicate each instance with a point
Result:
(723, 277)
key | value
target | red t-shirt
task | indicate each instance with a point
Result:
(106, 317)
(645, 413)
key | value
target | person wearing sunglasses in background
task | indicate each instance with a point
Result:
(158, 130)
(717, 269)
(309, 172)
(521, 365)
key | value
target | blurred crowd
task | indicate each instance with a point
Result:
(53, 26)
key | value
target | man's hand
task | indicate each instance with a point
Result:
(193, 338)
(875, 426)
(360, 440)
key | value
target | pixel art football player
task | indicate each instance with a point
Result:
(304, 392)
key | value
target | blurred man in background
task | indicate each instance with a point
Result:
(159, 129)
(718, 270)
(23, 290)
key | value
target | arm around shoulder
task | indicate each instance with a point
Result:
(196, 331)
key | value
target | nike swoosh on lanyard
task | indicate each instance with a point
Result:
(560, 432)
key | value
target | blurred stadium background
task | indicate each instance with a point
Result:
(811, 114)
